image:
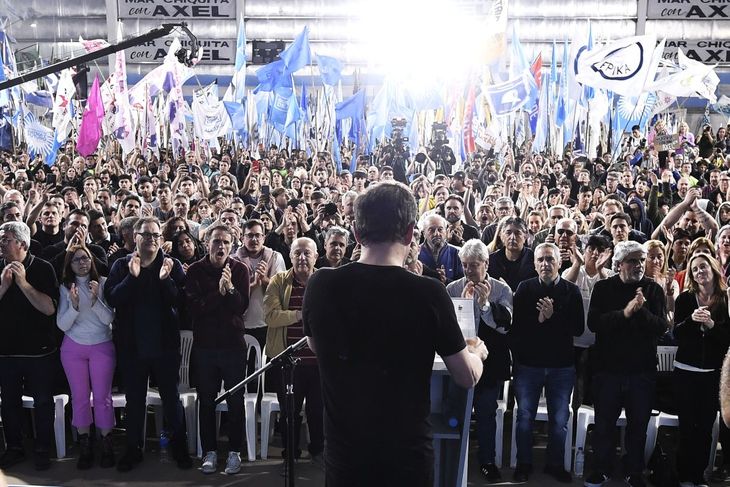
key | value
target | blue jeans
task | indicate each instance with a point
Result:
(558, 383)
(485, 412)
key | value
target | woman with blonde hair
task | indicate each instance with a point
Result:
(701, 245)
(702, 331)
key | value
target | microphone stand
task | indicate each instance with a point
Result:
(287, 361)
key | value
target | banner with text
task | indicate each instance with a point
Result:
(215, 51)
(704, 51)
(688, 10)
(177, 9)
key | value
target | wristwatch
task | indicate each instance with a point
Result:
(231, 290)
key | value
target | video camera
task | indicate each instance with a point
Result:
(399, 125)
(438, 134)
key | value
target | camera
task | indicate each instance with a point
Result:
(330, 209)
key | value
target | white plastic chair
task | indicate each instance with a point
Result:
(249, 405)
(665, 358)
(587, 417)
(187, 394)
(499, 436)
(269, 405)
(59, 421)
(542, 415)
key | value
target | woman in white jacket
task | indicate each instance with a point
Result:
(87, 352)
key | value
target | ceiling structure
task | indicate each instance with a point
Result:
(50, 29)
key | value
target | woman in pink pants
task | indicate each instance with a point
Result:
(87, 352)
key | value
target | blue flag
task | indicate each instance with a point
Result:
(298, 54)
(237, 115)
(279, 106)
(353, 107)
(560, 111)
(272, 76)
(330, 69)
(511, 95)
(6, 133)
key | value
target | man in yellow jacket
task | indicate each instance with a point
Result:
(283, 310)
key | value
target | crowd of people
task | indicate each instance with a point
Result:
(578, 269)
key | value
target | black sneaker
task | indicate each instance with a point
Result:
(558, 473)
(41, 460)
(635, 480)
(595, 479)
(130, 458)
(12, 456)
(522, 473)
(490, 472)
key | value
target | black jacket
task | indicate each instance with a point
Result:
(146, 320)
(550, 343)
(704, 349)
(626, 346)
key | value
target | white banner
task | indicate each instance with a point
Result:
(706, 51)
(178, 10)
(214, 51)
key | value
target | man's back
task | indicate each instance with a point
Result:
(375, 352)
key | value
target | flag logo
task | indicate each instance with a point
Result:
(621, 64)
(38, 137)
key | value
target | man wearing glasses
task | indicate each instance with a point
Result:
(145, 288)
(28, 297)
(263, 263)
(566, 236)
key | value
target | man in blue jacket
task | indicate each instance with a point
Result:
(145, 289)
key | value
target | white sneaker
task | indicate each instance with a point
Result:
(233, 464)
(210, 462)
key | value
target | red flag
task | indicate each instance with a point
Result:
(536, 70)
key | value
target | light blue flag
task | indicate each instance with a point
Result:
(237, 114)
(563, 89)
(336, 154)
(511, 95)
(554, 66)
(272, 76)
(353, 107)
(279, 106)
(293, 115)
(240, 66)
(298, 54)
(518, 59)
(630, 111)
(588, 92)
(330, 69)
(4, 94)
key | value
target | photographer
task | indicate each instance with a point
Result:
(396, 154)
(421, 165)
(441, 153)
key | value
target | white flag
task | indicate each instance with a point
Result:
(692, 79)
(210, 118)
(622, 66)
(62, 105)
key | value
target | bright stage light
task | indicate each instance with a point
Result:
(419, 41)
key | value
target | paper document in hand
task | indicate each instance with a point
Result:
(464, 308)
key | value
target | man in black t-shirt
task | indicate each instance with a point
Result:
(375, 354)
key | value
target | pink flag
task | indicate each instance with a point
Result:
(90, 130)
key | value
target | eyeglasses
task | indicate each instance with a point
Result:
(254, 236)
(149, 236)
(565, 231)
(81, 260)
